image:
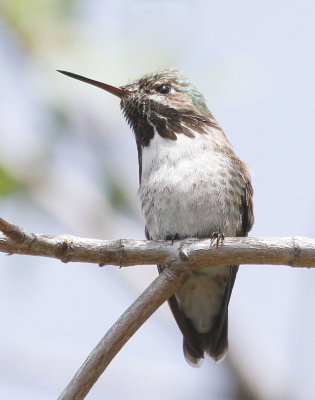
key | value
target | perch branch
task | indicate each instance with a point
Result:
(294, 251)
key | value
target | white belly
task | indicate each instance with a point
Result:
(186, 189)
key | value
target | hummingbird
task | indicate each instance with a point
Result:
(191, 185)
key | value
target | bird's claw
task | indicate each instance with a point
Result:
(216, 239)
(172, 237)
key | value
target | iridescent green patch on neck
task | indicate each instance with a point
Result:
(196, 97)
(183, 84)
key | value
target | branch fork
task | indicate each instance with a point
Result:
(181, 258)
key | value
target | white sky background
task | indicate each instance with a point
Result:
(253, 61)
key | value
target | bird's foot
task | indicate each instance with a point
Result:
(216, 239)
(172, 237)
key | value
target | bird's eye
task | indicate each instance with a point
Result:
(163, 89)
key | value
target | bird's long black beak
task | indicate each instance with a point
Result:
(111, 89)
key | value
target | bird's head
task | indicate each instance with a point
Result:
(165, 102)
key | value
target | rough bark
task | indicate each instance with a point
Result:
(293, 251)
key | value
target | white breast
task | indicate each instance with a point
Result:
(186, 188)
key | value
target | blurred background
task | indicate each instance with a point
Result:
(68, 164)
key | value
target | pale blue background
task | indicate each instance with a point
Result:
(71, 151)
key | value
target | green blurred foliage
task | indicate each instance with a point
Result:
(35, 21)
(8, 184)
(117, 195)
